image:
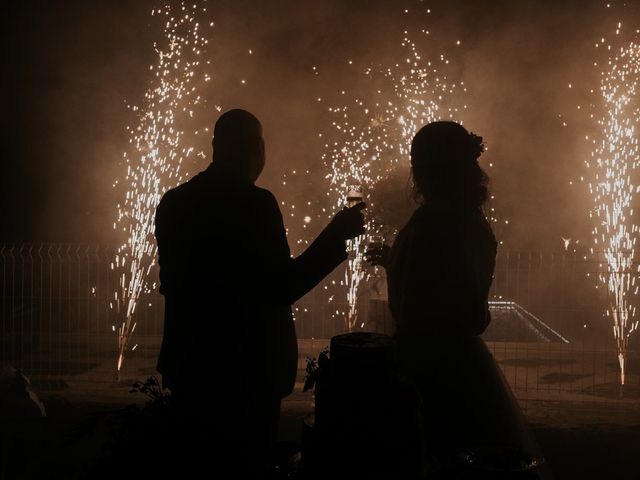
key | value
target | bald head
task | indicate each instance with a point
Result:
(238, 145)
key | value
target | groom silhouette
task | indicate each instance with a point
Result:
(229, 351)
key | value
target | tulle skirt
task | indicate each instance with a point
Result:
(466, 400)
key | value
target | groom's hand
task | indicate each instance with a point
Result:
(348, 222)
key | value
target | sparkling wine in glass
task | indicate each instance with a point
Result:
(355, 194)
(375, 242)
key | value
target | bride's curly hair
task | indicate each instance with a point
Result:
(444, 166)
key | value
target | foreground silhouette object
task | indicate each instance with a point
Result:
(229, 352)
(18, 400)
(366, 422)
(440, 270)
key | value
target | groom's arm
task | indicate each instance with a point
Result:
(284, 279)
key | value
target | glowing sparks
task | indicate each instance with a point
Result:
(372, 139)
(614, 162)
(158, 149)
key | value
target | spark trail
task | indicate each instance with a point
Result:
(614, 163)
(372, 136)
(157, 152)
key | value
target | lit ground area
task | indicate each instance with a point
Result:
(586, 427)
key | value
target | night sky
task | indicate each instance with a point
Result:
(71, 67)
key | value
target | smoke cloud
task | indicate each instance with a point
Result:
(73, 66)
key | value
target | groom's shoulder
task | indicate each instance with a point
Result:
(182, 189)
(263, 195)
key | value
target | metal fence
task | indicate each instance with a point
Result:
(58, 313)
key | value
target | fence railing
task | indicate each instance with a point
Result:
(58, 314)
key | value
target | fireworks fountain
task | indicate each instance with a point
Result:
(614, 162)
(372, 138)
(158, 149)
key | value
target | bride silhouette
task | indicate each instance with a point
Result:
(440, 270)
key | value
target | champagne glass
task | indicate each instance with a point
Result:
(355, 194)
(375, 250)
(376, 242)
